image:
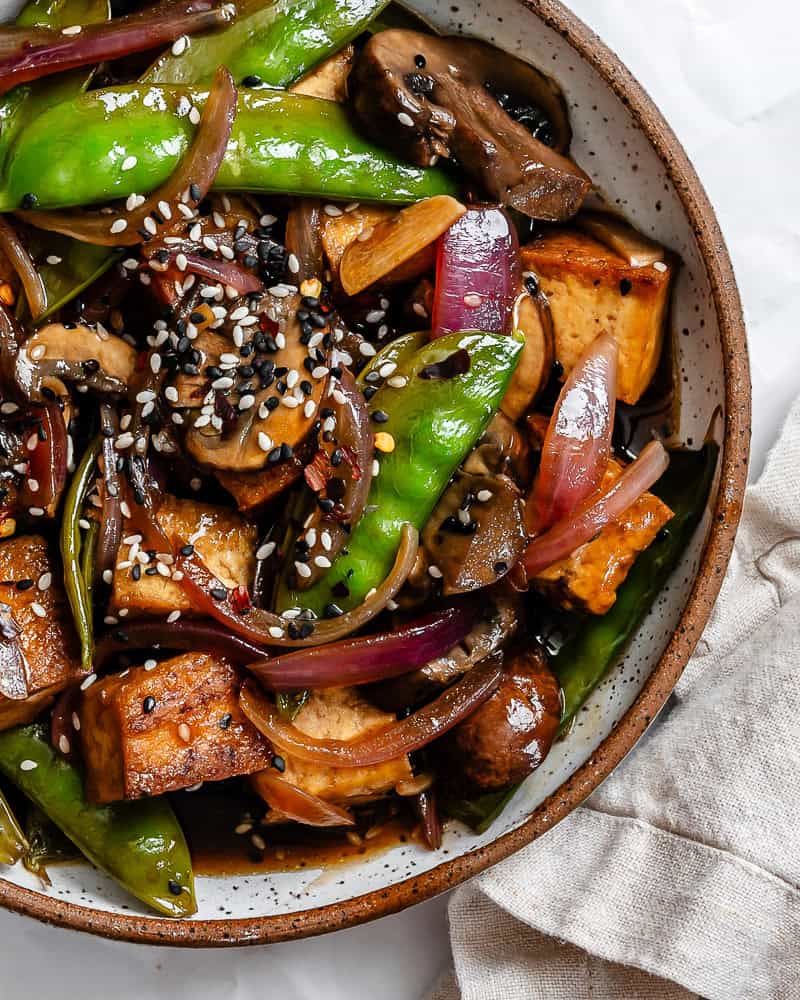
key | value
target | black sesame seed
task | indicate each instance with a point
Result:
(29, 200)
(370, 391)
(151, 571)
(187, 550)
(500, 567)
(24, 584)
(274, 455)
(172, 885)
(332, 611)
(625, 286)
(380, 416)
(148, 704)
(195, 192)
(279, 763)
(326, 505)
(252, 80)
(532, 284)
(225, 721)
(136, 572)
(197, 317)
(286, 451)
(419, 61)
(219, 593)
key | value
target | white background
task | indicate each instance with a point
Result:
(724, 72)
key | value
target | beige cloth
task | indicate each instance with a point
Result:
(681, 874)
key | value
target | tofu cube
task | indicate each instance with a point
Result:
(588, 579)
(223, 539)
(591, 290)
(34, 606)
(343, 714)
(146, 732)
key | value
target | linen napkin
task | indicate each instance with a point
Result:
(680, 875)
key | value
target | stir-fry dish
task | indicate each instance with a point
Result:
(332, 423)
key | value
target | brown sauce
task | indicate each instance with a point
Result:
(210, 821)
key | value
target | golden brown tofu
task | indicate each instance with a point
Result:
(145, 732)
(34, 606)
(342, 714)
(588, 579)
(223, 539)
(592, 290)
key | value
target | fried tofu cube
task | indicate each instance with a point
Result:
(591, 290)
(34, 607)
(146, 732)
(343, 714)
(588, 579)
(222, 538)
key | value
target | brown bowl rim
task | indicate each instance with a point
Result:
(714, 560)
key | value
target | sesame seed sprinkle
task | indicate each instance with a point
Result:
(405, 119)
(28, 765)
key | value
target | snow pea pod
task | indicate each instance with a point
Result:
(435, 422)
(283, 143)
(272, 45)
(140, 844)
(584, 660)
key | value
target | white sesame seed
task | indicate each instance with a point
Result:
(194, 116)
(53, 260)
(290, 402)
(195, 233)
(309, 408)
(226, 252)
(405, 119)
(125, 508)
(472, 300)
(280, 341)
(420, 310)
(36, 511)
(292, 378)
(322, 561)
(267, 220)
(7, 408)
(63, 744)
(155, 363)
(33, 485)
(150, 664)
(303, 569)
(387, 369)
(258, 842)
(118, 226)
(228, 359)
(246, 402)
(76, 722)
(203, 420)
(660, 266)
(173, 616)
(185, 211)
(44, 581)
(179, 46)
(162, 569)
(375, 315)
(184, 732)
(150, 225)
(463, 516)
(397, 381)
(128, 164)
(275, 632)
(171, 393)
(210, 244)
(265, 551)
(243, 828)
(38, 610)
(223, 382)
(181, 262)
(332, 210)
(293, 264)
(264, 441)
(38, 352)
(83, 523)
(435, 572)
(376, 468)
(88, 681)
(73, 29)
(108, 576)
(279, 291)
(366, 349)
(484, 495)
(219, 220)
(28, 765)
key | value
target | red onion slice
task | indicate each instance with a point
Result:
(567, 535)
(47, 461)
(265, 627)
(477, 273)
(111, 516)
(371, 657)
(577, 446)
(20, 259)
(297, 805)
(194, 634)
(225, 272)
(189, 182)
(398, 738)
(27, 54)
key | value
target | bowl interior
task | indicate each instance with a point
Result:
(609, 144)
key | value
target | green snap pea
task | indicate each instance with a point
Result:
(47, 845)
(75, 584)
(584, 660)
(434, 422)
(281, 143)
(140, 844)
(273, 45)
(396, 352)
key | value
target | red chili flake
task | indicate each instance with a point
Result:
(318, 471)
(240, 600)
(141, 360)
(350, 457)
(268, 325)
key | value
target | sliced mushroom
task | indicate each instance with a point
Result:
(253, 427)
(304, 237)
(475, 534)
(75, 353)
(430, 97)
(503, 450)
(531, 317)
(328, 80)
(192, 389)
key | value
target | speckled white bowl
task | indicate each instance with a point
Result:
(622, 141)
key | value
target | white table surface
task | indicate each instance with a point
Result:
(724, 72)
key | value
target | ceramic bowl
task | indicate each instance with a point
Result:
(634, 158)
